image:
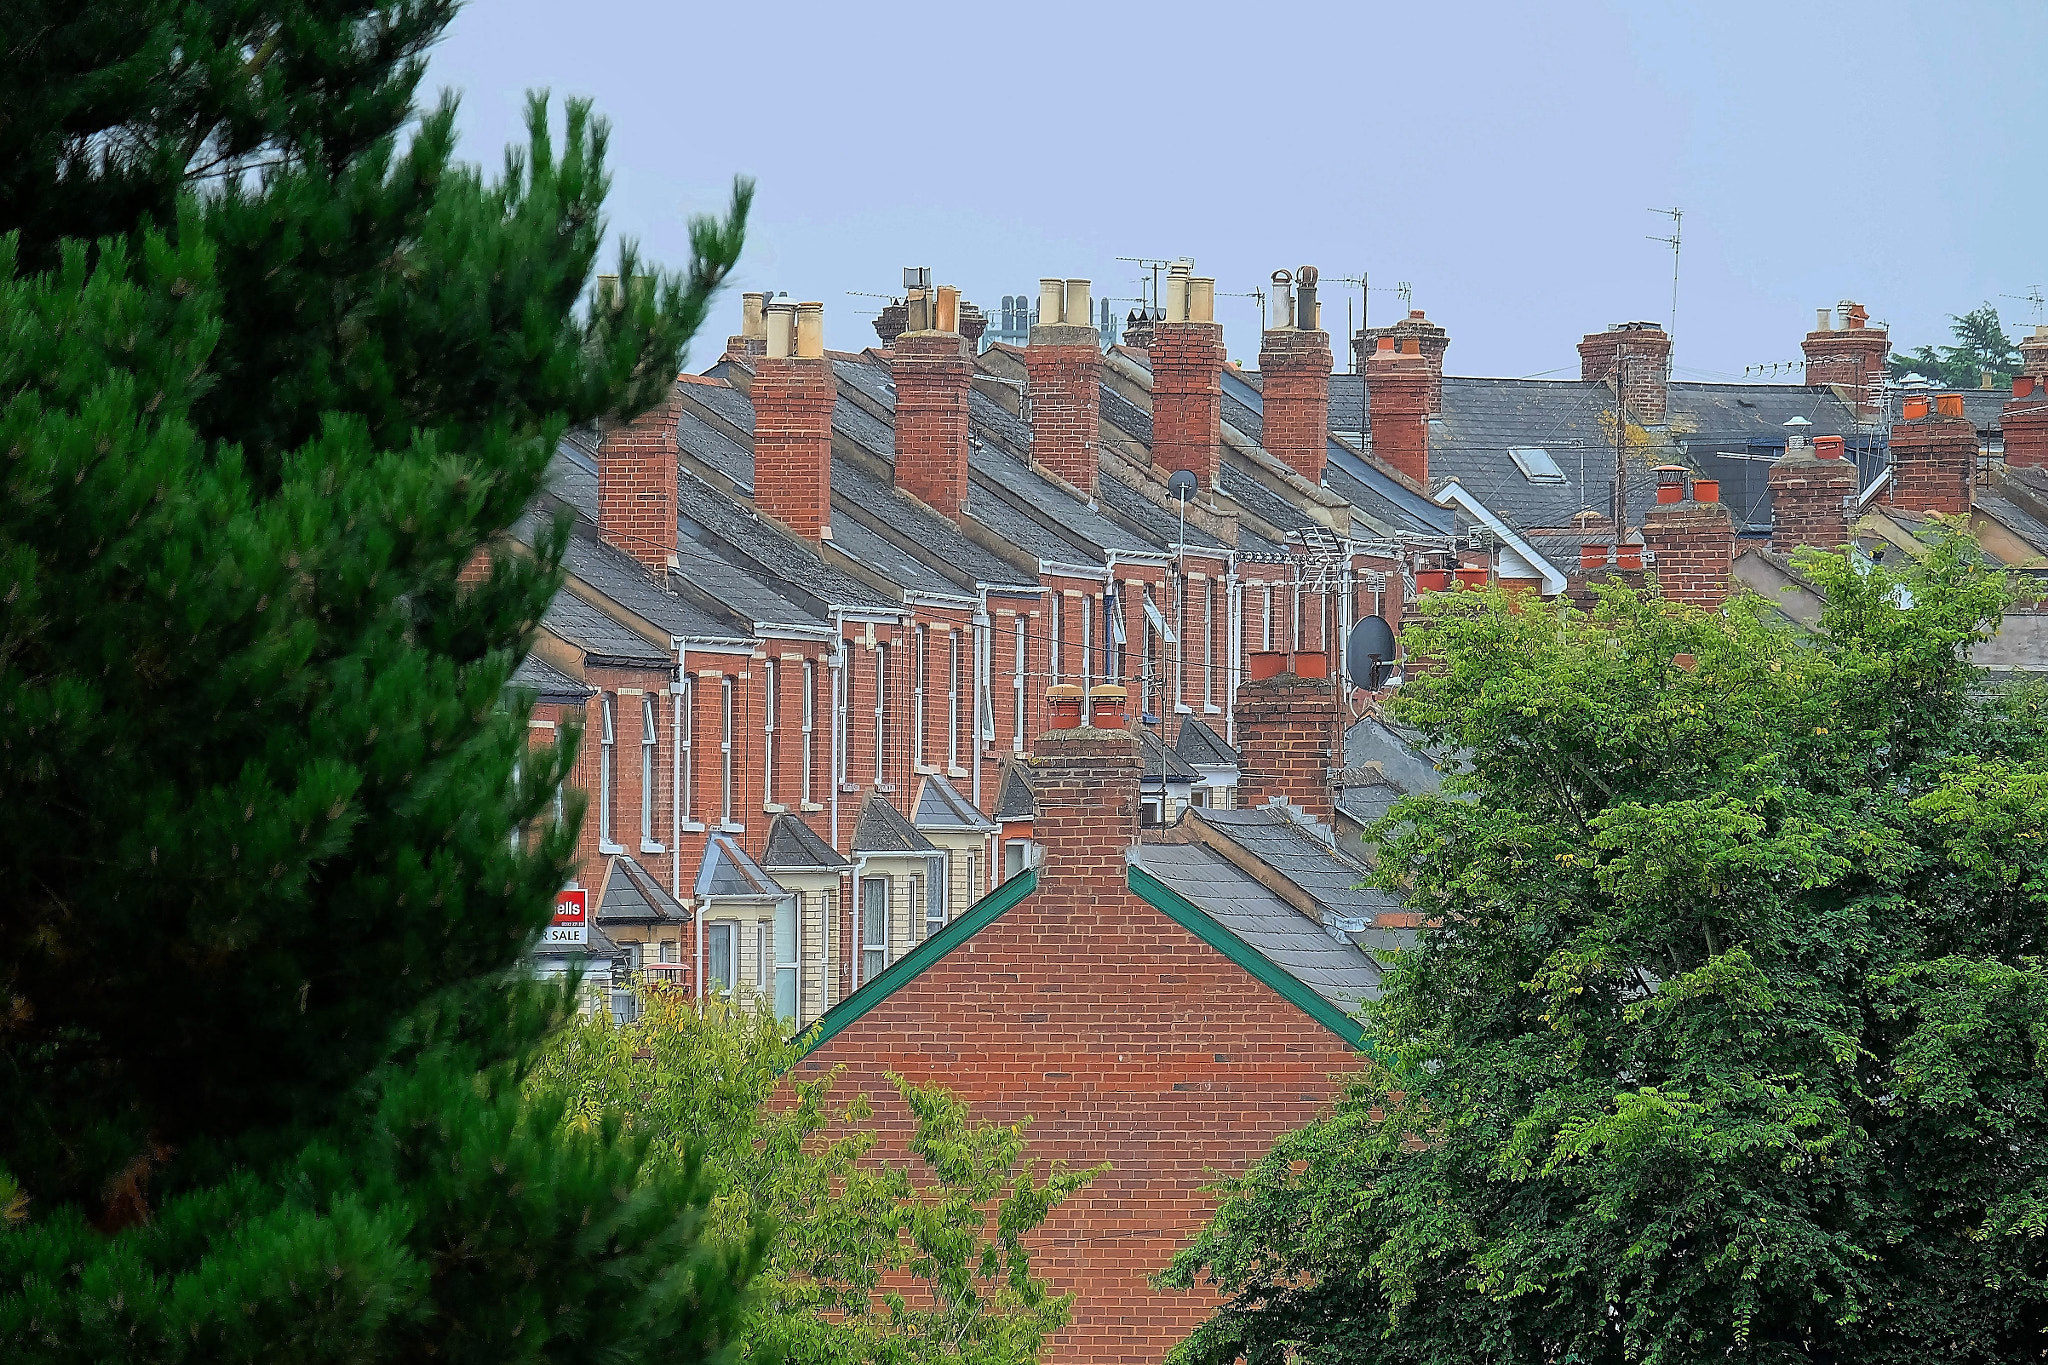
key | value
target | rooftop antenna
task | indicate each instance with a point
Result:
(1350, 333)
(1258, 294)
(2032, 296)
(1677, 217)
(1147, 263)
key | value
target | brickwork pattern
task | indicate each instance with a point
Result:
(1187, 397)
(1290, 732)
(793, 398)
(1294, 367)
(1121, 1037)
(1397, 388)
(931, 373)
(1694, 548)
(1636, 359)
(1064, 385)
(636, 486)
(1430, 340)
(1934, 459)
(1852, 358)
(2025, 419)
(1810, 499)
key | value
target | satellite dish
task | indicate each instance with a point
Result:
(1369, 653)
(1182, 485)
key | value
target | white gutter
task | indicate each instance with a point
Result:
(1454, 495)
(1877, 485)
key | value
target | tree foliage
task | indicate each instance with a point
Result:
(1727, 1041)
(1981, 347)
(277, 367)
(871, 1261)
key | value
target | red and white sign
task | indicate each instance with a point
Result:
(572, 917)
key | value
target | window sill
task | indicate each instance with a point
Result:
(731, 827)
(1212, 710)
(811, 806)
(886, 788)
(958, 772)
(773, 808)
(1181, 708)
(692, 827)
(923, 768)
(606, 846)
(649, 846)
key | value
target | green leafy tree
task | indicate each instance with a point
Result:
(1981, 347)
(277, 368)
(1727, 1039)
(870, 1262)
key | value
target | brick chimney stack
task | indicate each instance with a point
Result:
(1294, 366)
(1635, 357)
(1431, 339)
(1085, 784)
(1691, 540)
(1812, 489)
(1290, 731)
(1187, 378)
(932, 374)
(2025, 419)
(1063, 375)
(794, 393)
(636, 486)
(1934, 457)
(1397, 387)
(1851, 357)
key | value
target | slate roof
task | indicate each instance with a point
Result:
(627, 582)
(794, 846)
(1014, 800)
(1347, 405)
(1399, 756)
(940, 806)
(1339, 971)
(1161, 763)
(1386, 506)
(572, 476)
(704, 510)
(631, 895)
(1159, 523)
(549, 683)
(1304, 857)
(1199, 744)
(601, 639)
(728, 871)
(1484, 418)
(881, 828)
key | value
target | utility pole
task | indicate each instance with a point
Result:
(1350, 334)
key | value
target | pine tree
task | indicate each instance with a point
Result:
(278, 367)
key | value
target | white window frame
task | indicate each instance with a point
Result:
(919, 924)
(1087, 641)
(881, 714)
(1017, 691)
(650, 775)
(762, 965)
(607, 773)
(1208, 643)
(919, 664)
(687, 796)
(1146, 667)
(771, 708)
(786, 934)
(872, 935)
(1265, 617)
(729, 932)
(725, 738)
(973, 877)
(810, 723)
(1053, 636)
(952, 700)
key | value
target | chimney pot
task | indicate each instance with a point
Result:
(781, 329)
(1828, 447)
(753, 325)
(1052, 301)
(1201, 299)
(1079, 306)
(948, 319)
(1706, 491)
(1385, 345)
(1915, 408)
(1949, 405)
(810, 331)
(1063, 706)
(1824, 320)
(1106, 706)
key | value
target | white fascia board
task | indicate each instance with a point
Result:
(1453, 494)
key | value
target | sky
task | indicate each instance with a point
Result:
(1502, 160)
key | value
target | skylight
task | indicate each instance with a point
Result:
(1536, 464)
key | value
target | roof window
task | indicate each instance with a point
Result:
(1536, 464)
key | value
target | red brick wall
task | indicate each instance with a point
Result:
(1853, 358)
(1121, 1037)
(1431, 340)
(931, 374)
(1187, 397)
(1294, 367)
(1934, 459)
(1064, 383)
(1694, 546)
(1397, 385)
(1290, 732)
(793, 400)
(636, 486)
(1810, 498)
(1635, 357)
(2025, 422)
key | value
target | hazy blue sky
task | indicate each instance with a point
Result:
(1500, 157)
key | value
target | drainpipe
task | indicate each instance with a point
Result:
(838, 667)
(1233, 600)
(981, 684)
(675, 777)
